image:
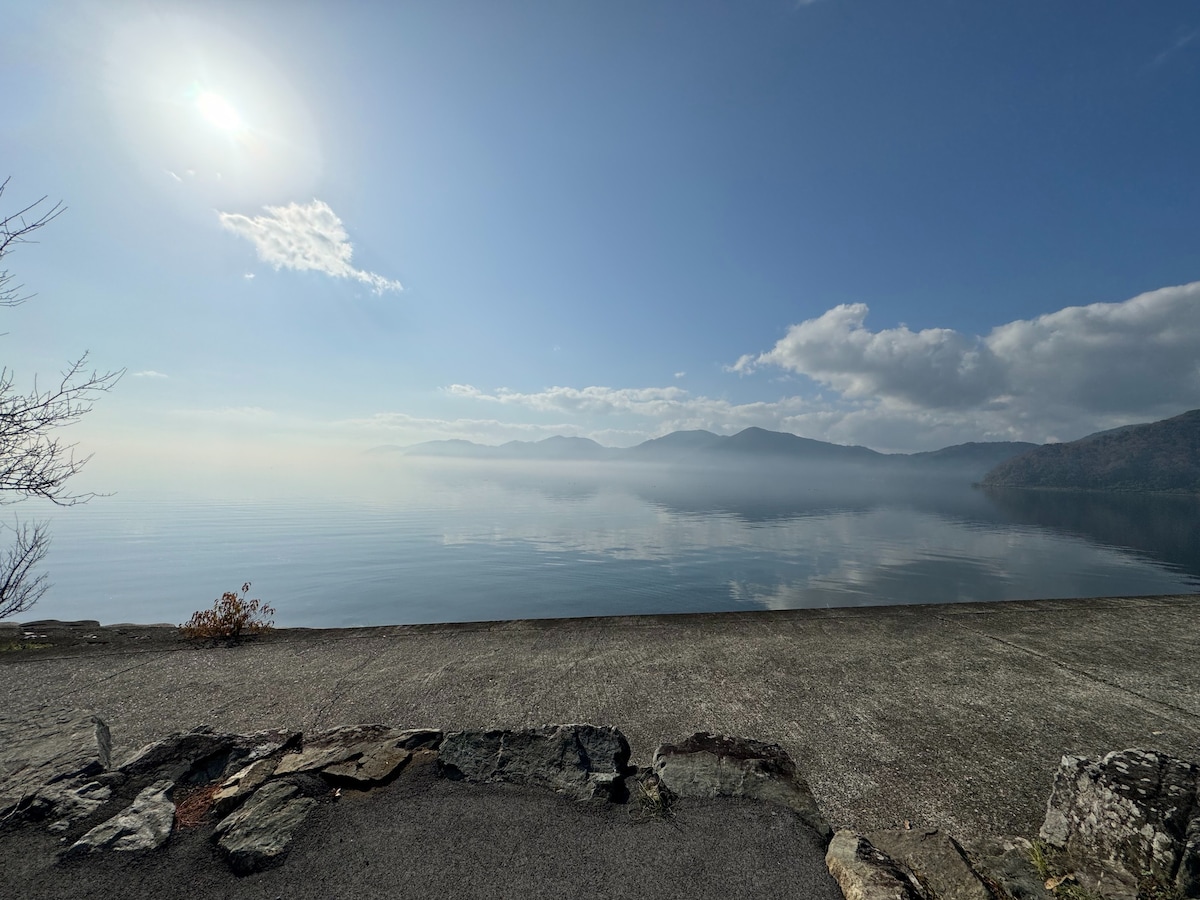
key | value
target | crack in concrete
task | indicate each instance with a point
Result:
(95, 681)
(1082, 673)
(337, 692)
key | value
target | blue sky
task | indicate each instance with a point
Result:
(306, 229)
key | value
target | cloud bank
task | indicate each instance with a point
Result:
(304, 237)
(1102, 363)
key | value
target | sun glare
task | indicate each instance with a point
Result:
(218, 111)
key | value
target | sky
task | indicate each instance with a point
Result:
(307, 229)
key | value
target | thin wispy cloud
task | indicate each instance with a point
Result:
(665, 408)
(304, 237)
(149, 373)
(1179, 44)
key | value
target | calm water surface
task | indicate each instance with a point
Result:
(461, 543)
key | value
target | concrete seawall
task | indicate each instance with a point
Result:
(952, 716)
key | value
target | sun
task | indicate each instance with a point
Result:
(218, 111)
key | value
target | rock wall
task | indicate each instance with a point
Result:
(1124, 827)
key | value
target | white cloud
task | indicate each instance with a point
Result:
(304, 237)
(149, 373)
(596, 400)
(935, 367)
(680, 374)
(1062, 374)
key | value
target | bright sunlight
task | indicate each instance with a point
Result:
(218, 111)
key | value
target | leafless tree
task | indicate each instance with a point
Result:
(33, 461)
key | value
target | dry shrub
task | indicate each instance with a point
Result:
(231, 618)
(192, 807)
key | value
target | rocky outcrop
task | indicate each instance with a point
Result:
(1128, 818)
(716, 765)
(1124, 827)
(581, 761)
(145, 825)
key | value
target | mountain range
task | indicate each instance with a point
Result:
(748, 447)
(1158, 456)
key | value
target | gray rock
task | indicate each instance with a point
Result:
(581, 761)
(242, 784)
(203, 755)
(715, 765)
(63, 748)
(1187, 879)
(67, 803)
(864, 872)
(144, 825)
(259, 833)
(935, 858)
(1125, 818)
(365, 755)
(1007, 863)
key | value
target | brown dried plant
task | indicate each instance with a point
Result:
(231, 618)
(193, 807)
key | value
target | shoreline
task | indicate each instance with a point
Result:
(84, 635)
(946, 715)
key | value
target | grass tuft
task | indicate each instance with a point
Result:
(654, 799)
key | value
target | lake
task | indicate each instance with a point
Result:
(422, 542)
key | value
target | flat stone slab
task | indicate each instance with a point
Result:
(365, 755)
(59, 746)
(581, 761)
(714, 765)
(864, 872)
(935, 858)
(259, 833)
(145, 825)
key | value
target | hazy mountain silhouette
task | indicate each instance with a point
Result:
(1159, 456)
(750, 446)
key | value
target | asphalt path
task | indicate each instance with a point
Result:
(425, 837)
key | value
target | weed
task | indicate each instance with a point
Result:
(1040, 859)
(17, 646)
(231, 618)
(655, 800)
(1151, 888)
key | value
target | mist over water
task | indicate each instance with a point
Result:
(406, 541)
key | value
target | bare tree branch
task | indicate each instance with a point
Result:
(19, 589)
(33, 461)
(15, 229)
